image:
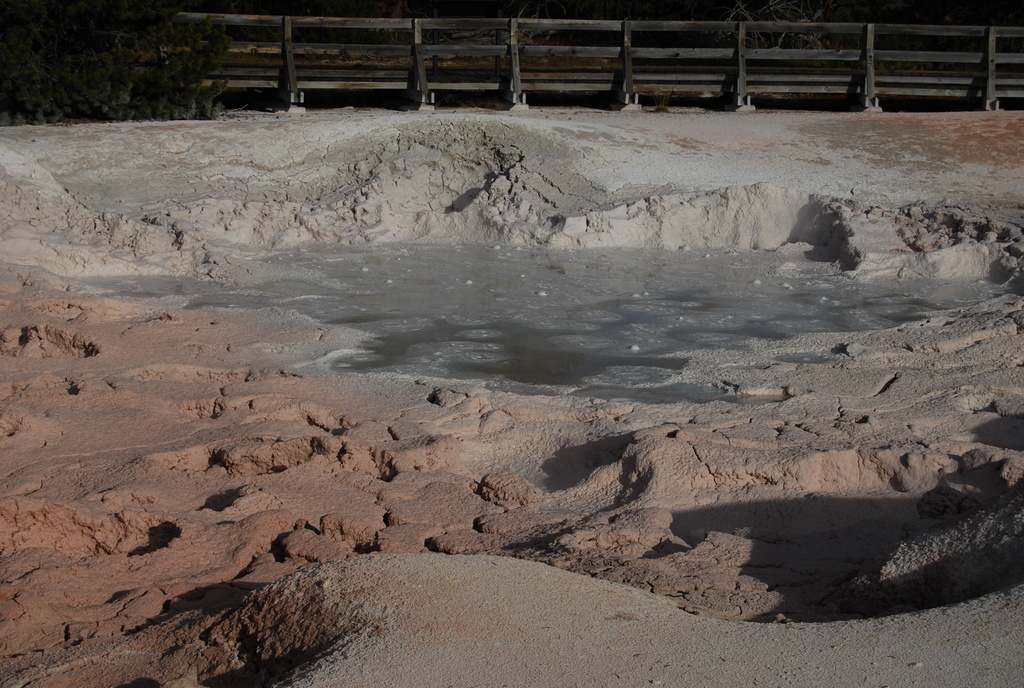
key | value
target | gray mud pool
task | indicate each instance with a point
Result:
(616, 323)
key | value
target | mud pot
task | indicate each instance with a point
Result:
(264, 379)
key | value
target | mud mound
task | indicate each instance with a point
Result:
(976, 552)
(456, 179)
(469, 621)
(42, 223)
(271, 634)
(45, 341)
(26, 522)
(941, 243)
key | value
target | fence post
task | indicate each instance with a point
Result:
(990, 102)
(868, 99)
(288, 84)
(514, 94)
(497, 59)
(419, 87)
(740, 100)
(627, 97)
(435, 38)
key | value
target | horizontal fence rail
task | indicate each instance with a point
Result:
(627, 59)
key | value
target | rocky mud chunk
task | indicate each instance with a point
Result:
(409, 538)
(358, 523)
(509, 488)
(46, 341)
(261, 456)
(303, 543)
(449, 504)
(630, 534)
(943, 501)
(385, 460)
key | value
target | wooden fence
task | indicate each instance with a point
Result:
(628, 59)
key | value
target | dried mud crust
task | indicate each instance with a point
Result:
(754, 515)
(460, 179)
(159, 465)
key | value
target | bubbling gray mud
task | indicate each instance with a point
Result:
(612, 323)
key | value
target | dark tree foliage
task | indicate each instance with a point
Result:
(977, 12)
(951, 12)
(295, 8)
(103, 59)
(298, 8)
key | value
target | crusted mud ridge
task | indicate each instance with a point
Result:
(451, 181)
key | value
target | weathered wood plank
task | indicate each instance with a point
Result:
(803, 55)
(569, 25)
(683, 53)
(251, 47)
(354, 74)
(922, 92)
(420, 84)
(685, 26)
(482, 85)
(463, 23)
(682, 77)
(928, 30)
(515, 73)
(929, 56)
(464, 50)
(800, 80)
(626, 92)
(989, 101)
(804, 27)
(352, 49)
(288, 80)
(242, 83)
(892, 80)
(569, 74)
(740, 94)
(569, 51)
(593, 85)
(248, 73)
(230, 19)
(788, 89)
(371, 23)
(354, 85)
(869, 98)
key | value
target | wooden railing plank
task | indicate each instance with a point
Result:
(452, 24)
(230, 19)
(619, 65)
(570, 51)
(370, 23)
(685, 26)
(464, 50)
(352, 49)
(804, 27)
(684, 53)
(781, 54)
(928, 30)
(929, 56)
